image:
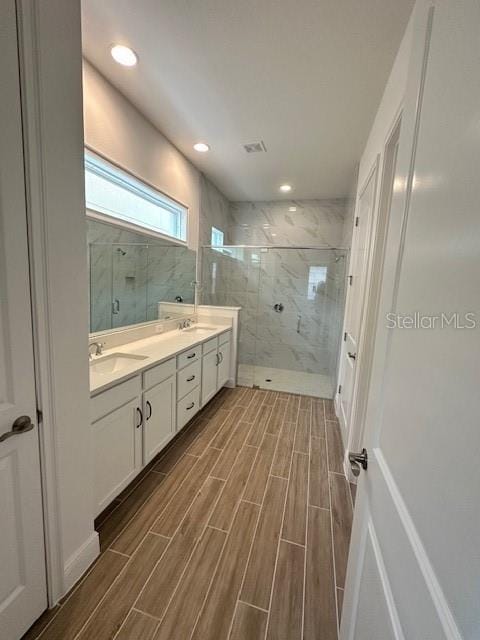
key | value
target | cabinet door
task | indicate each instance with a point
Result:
(209, 376)
(159, 417)
(117, 440)
(224, 364)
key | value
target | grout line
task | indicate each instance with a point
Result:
(296, 544)
(229, 529)
(125, 555)
(117, 578)
(195, 545)
(258, 504)
(331, 529)
(254, 606)
(307, 516)
(210, 526)
(314, 506)
(149, 615)
(258, 518)
(281, 527)
(160, 535)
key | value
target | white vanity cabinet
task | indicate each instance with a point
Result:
(117, 440)
(215, 365)
(134, 420)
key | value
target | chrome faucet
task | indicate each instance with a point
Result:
(184, 324)
(98, 349)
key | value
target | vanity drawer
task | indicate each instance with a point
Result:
(223, 338)
(188, 378)
(209, 345)
(107, 401)
(187, 407)
(158, 374)
(187, 357)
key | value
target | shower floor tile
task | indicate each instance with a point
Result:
(310, 384)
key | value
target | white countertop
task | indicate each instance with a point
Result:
(157, 348)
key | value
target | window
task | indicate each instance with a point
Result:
(316, 277)
(113, 193)
(217, 237)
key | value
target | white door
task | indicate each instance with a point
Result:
(117, 452)
(355, 295)
(22, 555)
(414, 566)
(209, 376)
(223, 364)
(158, 417)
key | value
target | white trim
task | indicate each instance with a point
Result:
(80, 561)
(440, 603)
(387, 589)
(43, 340)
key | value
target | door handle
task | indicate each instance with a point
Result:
(218, 360)
(21, 425)
(351, 355)
(220, 356)
(358, 460)
(116, 306)
(149, 407)
(139, 412)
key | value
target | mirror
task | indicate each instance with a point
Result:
(136, 278)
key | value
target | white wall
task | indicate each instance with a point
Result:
(115, 129)
(389, 107)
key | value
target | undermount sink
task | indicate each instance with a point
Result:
(114, 362)
(201, 330)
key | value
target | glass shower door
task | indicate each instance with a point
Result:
(298, 320)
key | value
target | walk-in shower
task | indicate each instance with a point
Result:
(292, 308)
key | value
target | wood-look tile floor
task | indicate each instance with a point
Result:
(240, 530)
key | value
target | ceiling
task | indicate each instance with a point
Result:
(304, 76)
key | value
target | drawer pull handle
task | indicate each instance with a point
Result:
(192, 355)
(190, 406)
(191, 378)
(149, 407)
(140, 414)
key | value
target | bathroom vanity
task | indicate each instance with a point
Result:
(144, 392)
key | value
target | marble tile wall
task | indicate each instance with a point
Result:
(137, 271)
(318, 223)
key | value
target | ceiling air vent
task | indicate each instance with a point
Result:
(255, 147)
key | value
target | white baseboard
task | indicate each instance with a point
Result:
(80, 561)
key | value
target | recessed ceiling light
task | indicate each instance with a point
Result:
(202, 147)
(292, 208)
(124, 55)
(285, 188)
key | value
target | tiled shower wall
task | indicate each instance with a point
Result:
(140, 278)
(256, 280)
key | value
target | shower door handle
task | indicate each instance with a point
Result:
(116, 306)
